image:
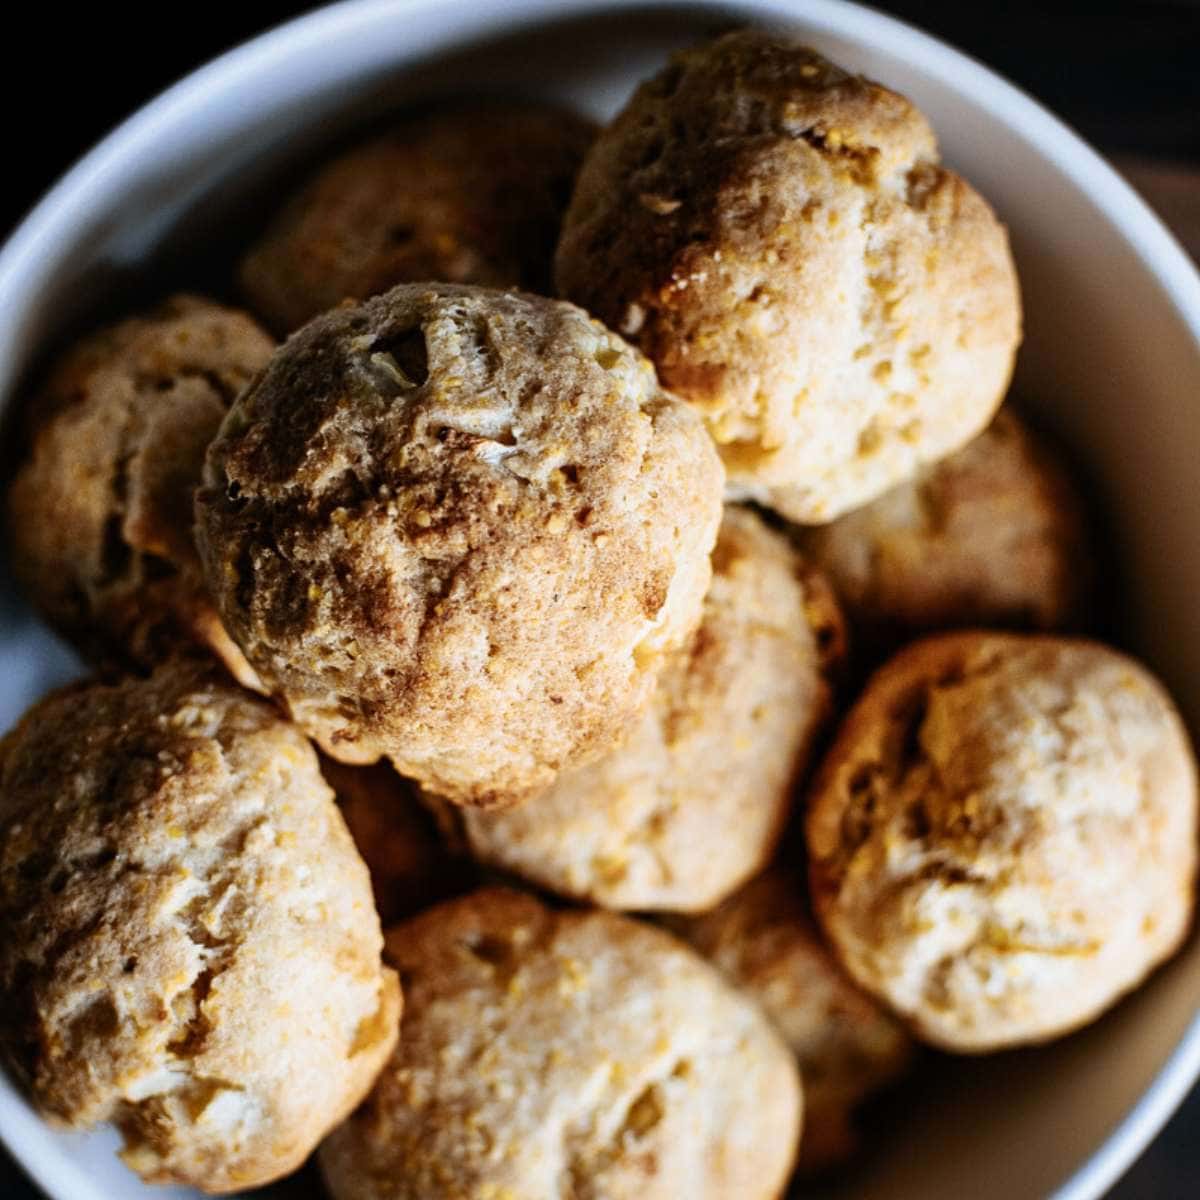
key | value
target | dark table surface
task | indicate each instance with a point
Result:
(1125, 75)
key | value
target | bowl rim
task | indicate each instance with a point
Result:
(26, 252)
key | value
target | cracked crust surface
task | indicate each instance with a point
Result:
(187, 941)
(100, 510)
(462, 528)
(693, 801)
(1002, 838)
(468, 195)
(992, 535)
(410, 863)
(562, 1056)
(779, 237)
(764, 941)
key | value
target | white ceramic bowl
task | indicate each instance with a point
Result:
(1112, 357)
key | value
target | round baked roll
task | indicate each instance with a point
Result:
(100, 508)
(472, 194)
(461, 528)
(410, 863)
(546, 1053)
(693, 801)
(993, 535)
(847, 1047)
(188, 946)
(1002, 838)
(780, 238)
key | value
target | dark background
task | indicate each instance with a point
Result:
(1125, 75)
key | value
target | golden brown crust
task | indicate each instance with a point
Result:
(1002, 838)
(410, 863)
(100, 510)
(469, 195)
(778, 237)
(187, 941)
(693, 802)
(461, 528)
(847, 1046)
(992, 535)
(555, 1055)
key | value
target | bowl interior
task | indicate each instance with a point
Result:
(1111, 361)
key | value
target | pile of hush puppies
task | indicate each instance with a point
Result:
(435, 641)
